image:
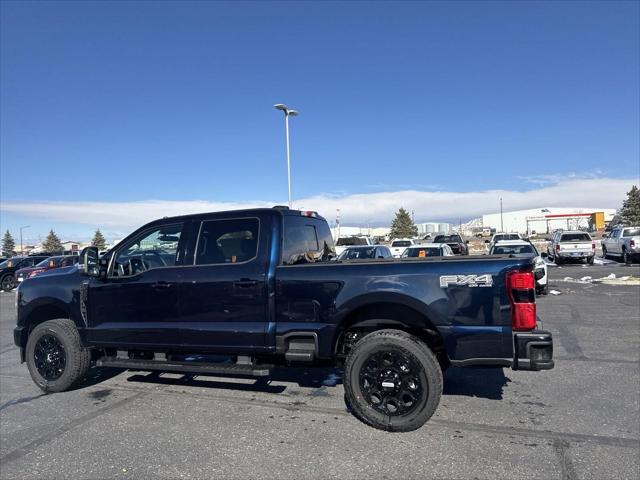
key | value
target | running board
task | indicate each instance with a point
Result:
(187, 367)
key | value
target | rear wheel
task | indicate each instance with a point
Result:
(392, 381)
(626, 258)
(55, 357)
(8, 283)
(590, 260)
(604, 252)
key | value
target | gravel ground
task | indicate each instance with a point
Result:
(579, 420)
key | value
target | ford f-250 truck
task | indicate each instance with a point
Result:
(260, 286)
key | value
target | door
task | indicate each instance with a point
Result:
(223, 296)
(137, 304)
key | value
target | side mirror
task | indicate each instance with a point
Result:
(89, 262)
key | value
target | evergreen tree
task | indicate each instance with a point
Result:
(403, 226)
(8, 245)
(52, 243)
(98, 241)
(630, 211)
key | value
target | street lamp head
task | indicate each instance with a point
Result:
(293, 113)
(281, 106)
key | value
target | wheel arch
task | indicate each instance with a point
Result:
(385, 314)
(40, 314)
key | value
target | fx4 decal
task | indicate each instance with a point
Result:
(466, 280)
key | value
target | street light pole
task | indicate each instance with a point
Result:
(21, 228)
(287, 112)
(501, 223)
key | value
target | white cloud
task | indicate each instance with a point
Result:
(373, 208)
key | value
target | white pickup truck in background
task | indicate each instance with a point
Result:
(567, 245)
(355, 240)
(622, 242)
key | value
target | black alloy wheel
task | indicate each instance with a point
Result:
(50, 357)
(390, 383)
(8, 283)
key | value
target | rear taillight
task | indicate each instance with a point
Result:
(593, 246)
(558, 247)
(521, 292)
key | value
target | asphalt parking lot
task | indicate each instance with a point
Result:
(580, 420)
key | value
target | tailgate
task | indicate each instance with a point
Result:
(578, 247)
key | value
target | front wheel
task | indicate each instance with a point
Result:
(55, 357)
(8, 283)
(392, 381)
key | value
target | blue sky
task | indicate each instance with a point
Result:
(119, 102)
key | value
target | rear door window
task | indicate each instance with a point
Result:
(306, 240)
(227, 241)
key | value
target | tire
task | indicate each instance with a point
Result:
(557, 260)
(8, 283)
(604, 252)
(626, 258)
(590, 260)
(48, 371)
(545, 289)
(412, 375)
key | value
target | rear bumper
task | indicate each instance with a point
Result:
(575, 254)
(533, 350)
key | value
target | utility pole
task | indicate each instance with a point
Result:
(338, 222)
(501, 222)
(287, 112)
(22, 228)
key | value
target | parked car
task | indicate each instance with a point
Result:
(522, 248)
(622, 242)
(500, 237)
(399, 245)
(259, 286)
(366, 252)
(566, 245)
(344, 242)
(428, 250)
(9, 267)
(46, 264)
(458, 246)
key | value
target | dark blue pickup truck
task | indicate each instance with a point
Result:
(263, 288)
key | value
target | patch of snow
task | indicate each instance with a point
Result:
(586, 279)
(555, 292)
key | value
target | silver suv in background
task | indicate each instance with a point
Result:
(622, 242)
(566, 245)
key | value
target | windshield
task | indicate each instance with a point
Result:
(349, 241)
(422, 252)
(401, 243)
(631, 232)
(513, 250)
(575, 237)
(447, 239)
(357, 253)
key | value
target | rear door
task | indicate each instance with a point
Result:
(223, 294)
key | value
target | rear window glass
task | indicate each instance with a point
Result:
(513, 250)
(306, 241)
(631, 232)
(447, 239)
(422, 252)
(349, 241)
(401, 243)
(575, 237)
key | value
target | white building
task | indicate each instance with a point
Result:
(544, 220)
(433, 227)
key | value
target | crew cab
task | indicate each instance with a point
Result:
(522, 248)
(261, 287)
(622, 242)
(568, 245)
